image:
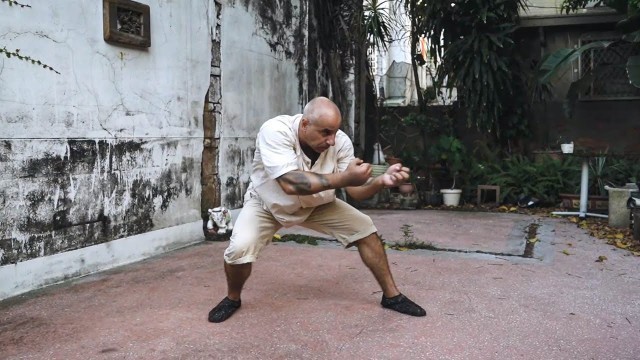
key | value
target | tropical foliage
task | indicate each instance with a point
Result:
(451, 153)
(377, 23)
(560, 59)
(472, 45)
(517, 175)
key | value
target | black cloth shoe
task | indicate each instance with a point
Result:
(402, 304)
(223, 310)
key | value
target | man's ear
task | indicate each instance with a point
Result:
(304, 123)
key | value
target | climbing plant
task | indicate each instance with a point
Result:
(16, 53)
(12, 3)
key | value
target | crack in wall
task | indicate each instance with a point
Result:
(209, 176)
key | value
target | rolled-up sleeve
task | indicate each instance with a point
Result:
(277, 149)
(344, 151)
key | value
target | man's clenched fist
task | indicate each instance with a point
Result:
(395, 175)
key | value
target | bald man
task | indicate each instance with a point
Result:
(298, 163)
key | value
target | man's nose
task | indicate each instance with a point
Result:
(331, 140)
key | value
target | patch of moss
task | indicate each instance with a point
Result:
(297, 238)
(413, 245)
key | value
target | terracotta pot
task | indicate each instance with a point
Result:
(406, 188)
(393, 160)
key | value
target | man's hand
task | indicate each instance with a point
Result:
(357, 173)
(395, 175)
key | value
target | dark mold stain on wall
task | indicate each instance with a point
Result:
(233, 196)
(96, 192)
(276, 19)
(282, 26)
(5, 150)
(237, 159)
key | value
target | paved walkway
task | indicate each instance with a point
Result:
(483, 298)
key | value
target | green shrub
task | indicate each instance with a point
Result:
(627, 170)
(517, 175)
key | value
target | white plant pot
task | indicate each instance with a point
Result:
(567, 148)
(451, 197)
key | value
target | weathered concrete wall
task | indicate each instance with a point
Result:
(126, 149)
(263, 75)
(112, 146)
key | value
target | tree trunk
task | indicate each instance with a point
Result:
(414, 66)
(371, 114)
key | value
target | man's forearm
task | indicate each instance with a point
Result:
(370, 188)
(307, 183)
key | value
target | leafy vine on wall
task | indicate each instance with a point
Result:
(16, 53)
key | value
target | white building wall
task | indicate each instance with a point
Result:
(399, 50)
(108, 149)
(263, 57)
(101, 165)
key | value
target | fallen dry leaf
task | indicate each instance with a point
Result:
(621, 245)
(566, 252)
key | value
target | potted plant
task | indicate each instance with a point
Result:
(427, 192)
(409, 193)
(450, 152)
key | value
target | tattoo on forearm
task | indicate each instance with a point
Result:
(298, 180)
(303, 182)
(324, 182)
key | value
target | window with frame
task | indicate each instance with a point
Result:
(608, 66)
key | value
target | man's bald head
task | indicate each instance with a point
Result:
(321, 108)
(320, 122)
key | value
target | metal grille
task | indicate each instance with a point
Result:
(372, 57)
(130, 21)
(610, 78)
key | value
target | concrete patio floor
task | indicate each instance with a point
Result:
(483, 300)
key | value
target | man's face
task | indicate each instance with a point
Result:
(320, 134)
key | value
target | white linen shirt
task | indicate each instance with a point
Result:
(278, 152)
